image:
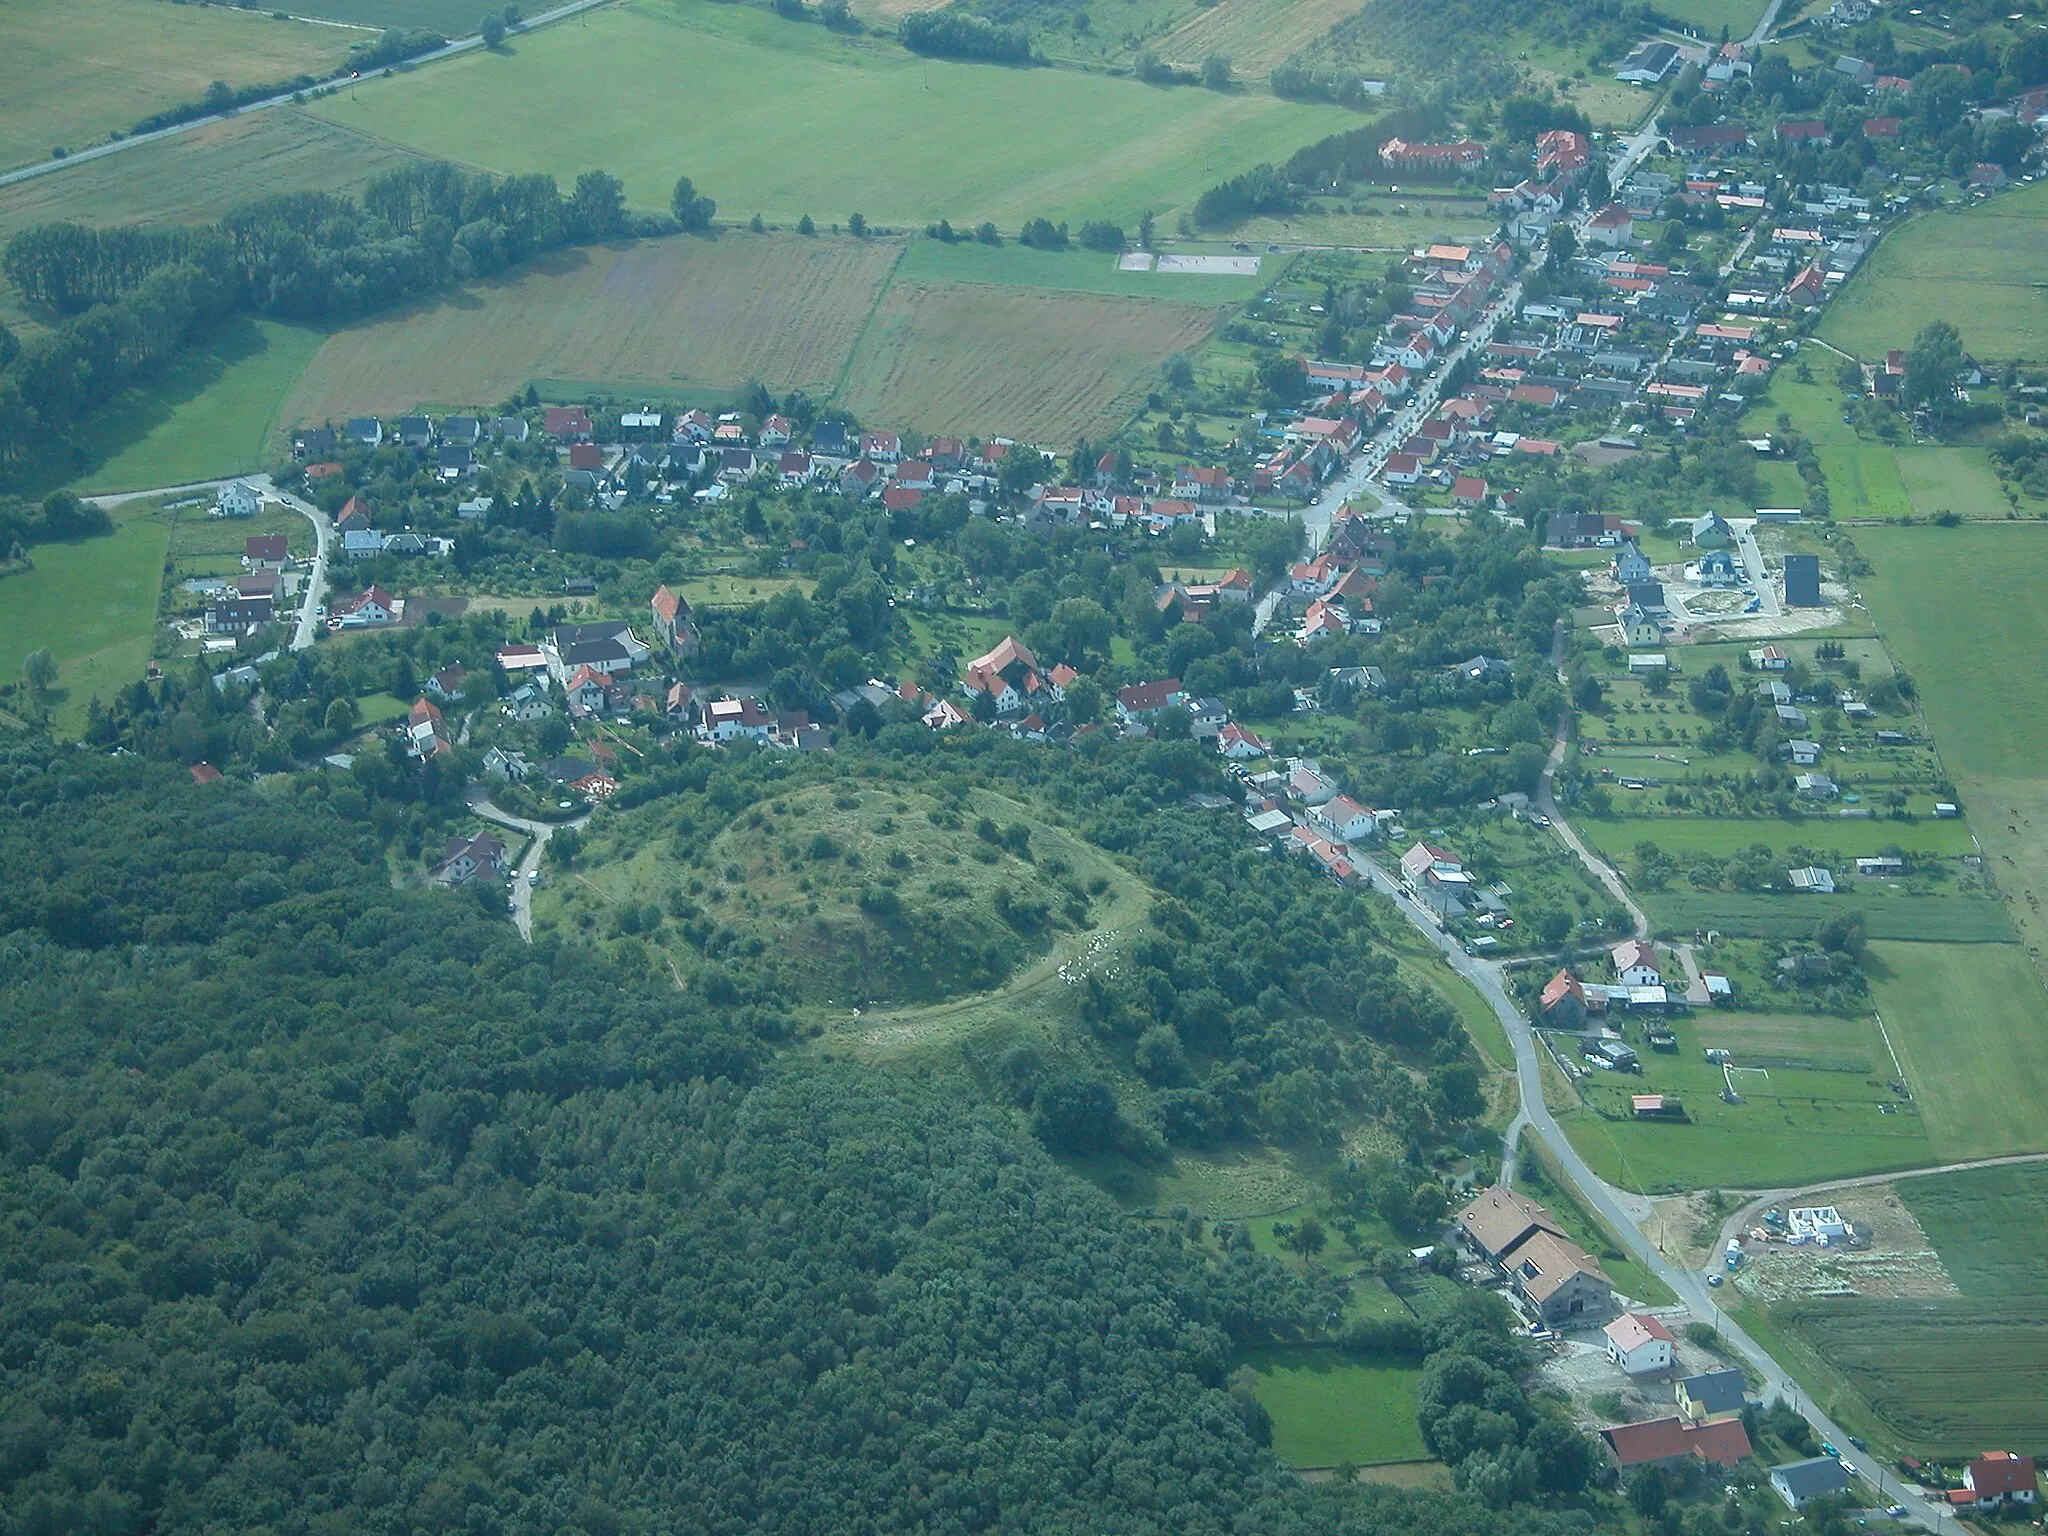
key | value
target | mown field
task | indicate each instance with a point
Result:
(93, 605)
(1076, 270)
(196, 176)
(1980, 268)
(1328, 1408)
(1039, 366)
(1970, 1023)
(76, 72)
(1254, 35)
(784, 120)
(214, 412)
(1708, 17)
(1947, 919)
(660, 316)
(451, 18)
(1953, 602)
(1862, 473)
(1986, 1225)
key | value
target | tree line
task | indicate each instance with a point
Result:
(134, 299)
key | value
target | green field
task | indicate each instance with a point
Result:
(200, 175)
(1980, 268)
(1328, 1408)
(451, 18)
(785, 120)
(1971, 1027)
(1952, 603)
(214, 413)
(1862, 473)
(1945, 919)
(1943, 479)
(1076, 270)
(1823, 1111)
(1946, 1378)
(1846, 836)
(76, 72)
(1986, 1225)
(93, 605)
(1708, 17)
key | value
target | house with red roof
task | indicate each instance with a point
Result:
(1469, 492)
(1999, 1477)
(1009, 674)
(1140, 701)
(426, 733)
(567, 424)
(1239, 744)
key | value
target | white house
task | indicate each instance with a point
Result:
(1344, 819)
(236, 499)
(1638, 1344)
(1635, 964)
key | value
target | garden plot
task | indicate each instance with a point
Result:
(1899, 1263)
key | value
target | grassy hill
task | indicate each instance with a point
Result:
(841, 895)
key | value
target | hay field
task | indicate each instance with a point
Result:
(786, 120)
(73, 73)
(1981, 269)
(660, 315)
(1254, 35)
(196, 176)
(1040, 366)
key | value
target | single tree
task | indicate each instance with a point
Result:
(39, 671)
(692, 211)
(492, 30)
(857, 226)
(804, 226)
(1216, 72)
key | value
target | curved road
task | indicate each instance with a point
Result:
(539, 831)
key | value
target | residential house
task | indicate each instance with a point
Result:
(455, 461)
(1798, 1483)
(372, 606)
(1138, 702)
(881, 447)
(1769, 658)
(426, 733)
(1718, 568)
(1010, 675)
(511, 429)
(237, 499)
(607, 648)
(1999, 1478)
(1802, 581)
(1639, 626)
(1206, 718)
(1484, 669)
(1613, 227)
(265, 552)
(1344, 820)
(506, 764)
(1712, 1395)
(1240, 745)
(231, 613)
(313, 443)
(1566, 1001)
(1711, 531)
(1635, 964)
(416, 431)
(464, 431)
(1202, 482)
(1631, 565)
(366, 431)
(567, 424)
(1815, 786)
(362, 544)
(527, 702)
(465, 858)
(1468, 492)
(673, 625)
(447, 684)
(1306, 783)
(736, 719)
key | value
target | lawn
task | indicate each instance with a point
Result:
(79, 71)
(1040, 366)
(1709, 17)
(200, 175)
(1329, 1408)
(1862, 473)
(662, 316)
(1970, 1024)
(212, 546)
(93, 605)
(215, 412)
(1979, 268)
(1943, 918)
(785, 120)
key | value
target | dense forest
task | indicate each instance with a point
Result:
(332, 1207)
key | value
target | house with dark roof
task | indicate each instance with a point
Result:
(1800, 1482)
(465, 858)
(1712, 1395)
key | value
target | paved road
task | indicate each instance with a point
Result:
(283, 98)
(529, 862)
(1744, 529)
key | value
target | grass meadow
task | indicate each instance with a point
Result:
(1979, 268)
(93, 604)
(1862, 473)
(1254, 35)
(1846, 836)
(214, 412)
(1329, 1408)
(1708, 17)
(1945, 919)
(79, 71)
(782, 119)
(451, 18)
(1970, 1024)
(1986, 1225)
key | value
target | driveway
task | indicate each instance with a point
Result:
(529, 862)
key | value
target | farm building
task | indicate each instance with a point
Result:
(1814, 880)
(1639, 1344)
(1554, 1275)
(1802, 581)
